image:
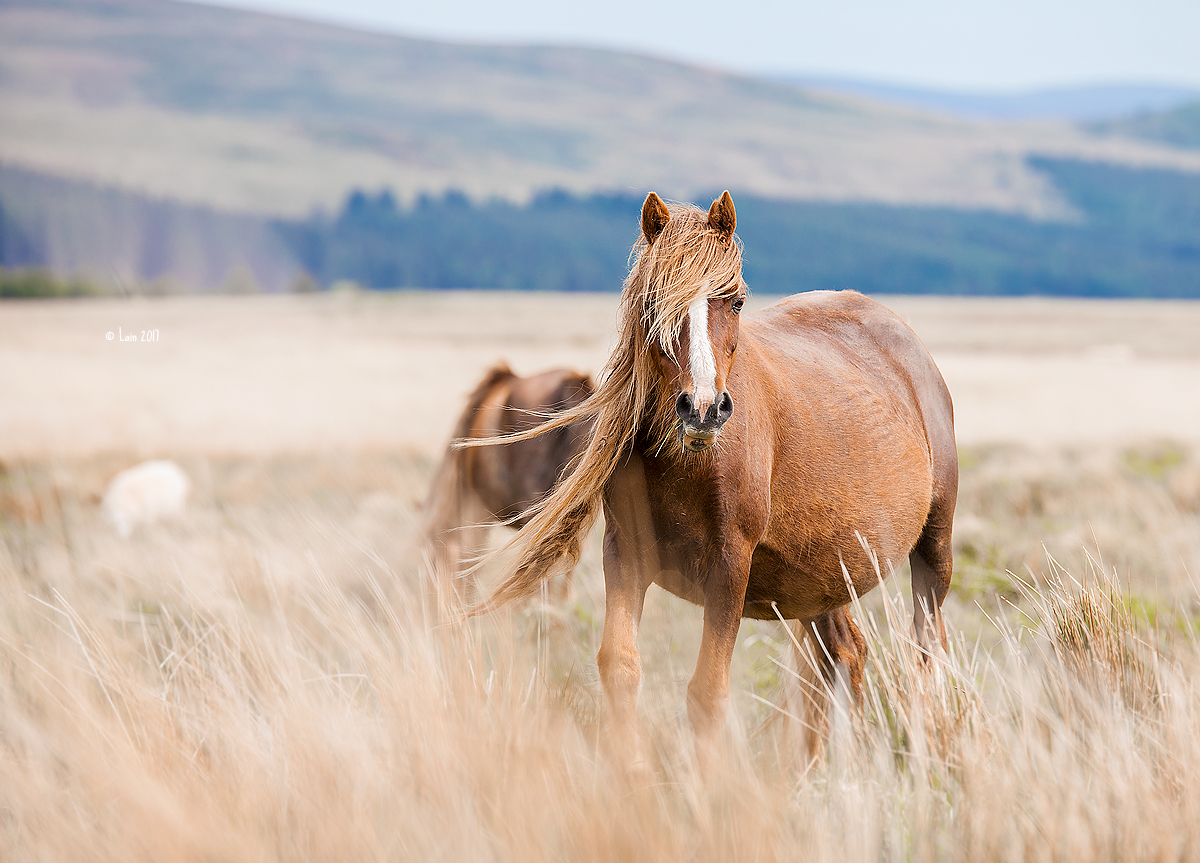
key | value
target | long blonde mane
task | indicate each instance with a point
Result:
(688, 258)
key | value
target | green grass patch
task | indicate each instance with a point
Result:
(37, 283)
(1155, 462)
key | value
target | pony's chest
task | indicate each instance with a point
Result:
(687, 518)
(698, 510)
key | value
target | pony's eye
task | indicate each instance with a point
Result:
(737, 305)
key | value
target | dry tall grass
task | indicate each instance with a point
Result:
(258, 682)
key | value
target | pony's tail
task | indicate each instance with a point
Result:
(539, 562)
(443, 508)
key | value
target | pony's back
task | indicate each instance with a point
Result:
(858, 326)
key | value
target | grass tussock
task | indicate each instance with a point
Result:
(260, 682)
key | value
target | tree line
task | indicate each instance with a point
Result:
(1132, 233)
(1135, 233)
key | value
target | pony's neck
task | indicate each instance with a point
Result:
(656, 425)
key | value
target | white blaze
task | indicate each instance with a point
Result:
(700, 355)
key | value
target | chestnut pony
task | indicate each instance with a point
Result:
(748, 465)
(475, 488)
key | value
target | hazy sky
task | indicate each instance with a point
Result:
(955, 44)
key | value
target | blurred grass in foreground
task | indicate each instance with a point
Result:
(259, 681)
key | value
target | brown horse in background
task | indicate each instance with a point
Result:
(475, 488)
(751, 466)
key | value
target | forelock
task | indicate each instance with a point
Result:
(689, 258)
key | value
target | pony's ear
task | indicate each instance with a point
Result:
(655, 216)
(722, 218)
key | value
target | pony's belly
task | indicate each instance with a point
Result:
(675, 582)
(798, 594)
(794, 601)
(807, 585)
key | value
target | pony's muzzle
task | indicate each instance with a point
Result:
(698, 432)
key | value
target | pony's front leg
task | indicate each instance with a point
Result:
(628, 550)
(618, 660)
(708, 691)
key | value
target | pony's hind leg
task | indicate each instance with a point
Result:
(842, 652)
(829, 666)
(474, 544)
(455, 547)
(932, 562)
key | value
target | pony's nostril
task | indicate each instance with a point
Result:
(724, 407)
(683, 406)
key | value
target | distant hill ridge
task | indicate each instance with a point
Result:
(262, 114)
(1178, 126)
(1090, 103)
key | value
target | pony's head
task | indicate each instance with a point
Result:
(686, 286)
(665, 378)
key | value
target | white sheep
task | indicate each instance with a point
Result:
(144, 494)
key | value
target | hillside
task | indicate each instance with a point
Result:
(258, 113)
(1178, 127)
(119, 239)
(1085, 103)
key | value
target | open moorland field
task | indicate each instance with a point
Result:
(260, 679)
